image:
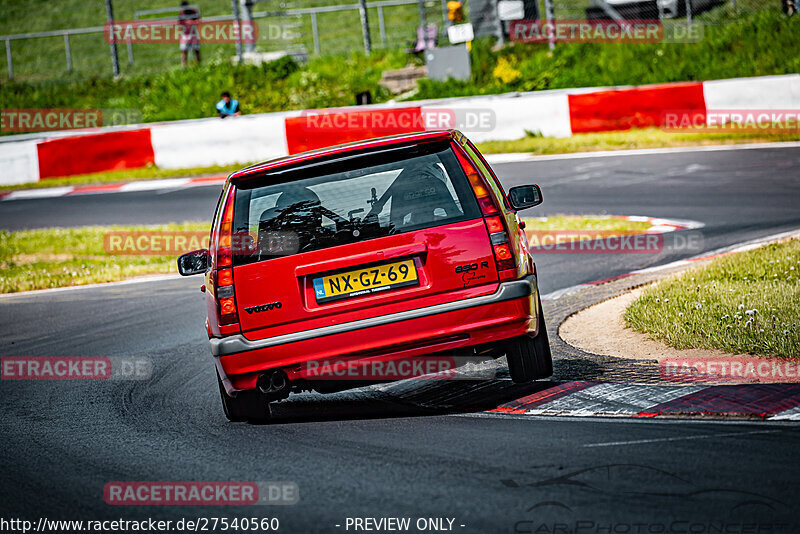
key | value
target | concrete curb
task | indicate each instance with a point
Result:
(594, 385)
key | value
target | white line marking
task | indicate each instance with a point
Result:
(564, 291)
(662, 267)
(153, 185)
(661, 226)
(660, 440)
(683, 224)
(788, 415)
(143, 185)
(614, 399)
(738, 247)
(628, 420)
(47, 192)
(204, 183)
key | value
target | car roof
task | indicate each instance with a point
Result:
(359, 146)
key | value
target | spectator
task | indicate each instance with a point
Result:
(228, 107)
(189, 19)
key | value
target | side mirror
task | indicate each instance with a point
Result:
(524, 196)
(194, 262)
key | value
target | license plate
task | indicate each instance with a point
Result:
(365, 281)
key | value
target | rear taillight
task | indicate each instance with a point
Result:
(226, 301)
(502, 252)
(482, 194)
(498, 236)
(494, 225)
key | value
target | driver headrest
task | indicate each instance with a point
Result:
(300, 195)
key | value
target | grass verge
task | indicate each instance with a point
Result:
(742, 303)
(58, 257)
(603, 223)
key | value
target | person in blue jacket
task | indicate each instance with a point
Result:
(228, 107)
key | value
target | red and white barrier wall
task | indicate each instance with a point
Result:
(207, 142)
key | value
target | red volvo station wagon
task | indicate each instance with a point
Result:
(395, 248)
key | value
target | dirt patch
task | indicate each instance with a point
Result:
(601, 329)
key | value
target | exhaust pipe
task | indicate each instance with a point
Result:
(274, 384)
(278, 381)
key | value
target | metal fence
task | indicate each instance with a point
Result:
(283, 26)
(703, 11)
(300, 27)
(682, 20)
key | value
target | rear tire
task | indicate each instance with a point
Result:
(530, 358)
(245, 406)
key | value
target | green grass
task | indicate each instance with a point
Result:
(58, 257)
(755, 45)
(555, 229)
(742, 303)
(45, 58)
(191, 93)
(584, 222)
(630, 139)
(749, 46)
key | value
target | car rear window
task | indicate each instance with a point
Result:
(350, 199)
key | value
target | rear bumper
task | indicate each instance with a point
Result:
(508, 312)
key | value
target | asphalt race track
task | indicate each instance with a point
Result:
(367, 453)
